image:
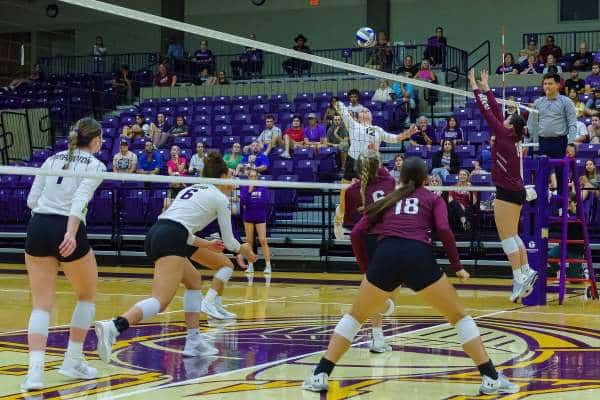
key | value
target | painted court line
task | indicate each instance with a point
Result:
(272, 363)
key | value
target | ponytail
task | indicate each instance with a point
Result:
(519, 125)
(367, 166)
(86, 129)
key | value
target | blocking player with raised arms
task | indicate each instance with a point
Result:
(403, 221)
(57, 238)
(169, 243)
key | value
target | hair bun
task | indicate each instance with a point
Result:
(213, 155)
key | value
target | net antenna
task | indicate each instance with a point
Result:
(242, 41)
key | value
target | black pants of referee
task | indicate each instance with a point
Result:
(554, 147)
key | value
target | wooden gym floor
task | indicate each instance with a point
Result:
(283, 326)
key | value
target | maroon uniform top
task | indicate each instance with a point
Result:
(413, 218)
(506, 166)
(384, 184)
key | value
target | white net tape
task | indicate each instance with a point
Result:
(238, 40)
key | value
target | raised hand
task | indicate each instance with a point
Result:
(484, 80)
(472, 79)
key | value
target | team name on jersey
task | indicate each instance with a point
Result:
(73, 158)
(484, 102)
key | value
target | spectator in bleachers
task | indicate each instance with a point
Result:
(382, 94)
(477, 169)
(485, 155)
(380, 56)
(593, 104)
(203, 58)
(337, 136)
(512, 107)
(151, 161)
(176, 166)
(399, 89)
(592, 81)
(99, 52)
(445, 161)
(550, 48)
(159, 131)
(249, 64)
(424, 135)
(594, 130)
(180, 128)
(574, 83)
(551, 62)
(123, 85)
(293, 136)
(270, 137)
(234, 157)
(436, 47)
(589, 180)
(404, 113)
(427, 75)
(254, 160)
(175, 54)
(452, 131)
(330, 112)
(222, 79)
(355, 107)
(581, 132)
(197, 160)
(509, 66)
(164, 78)
(528, 67)
(461, 203)
(397, 168)
(579, 106)
(583, 60)
(135, 130)
(124, 161)
(530, 51)
(408, 66)
(435, 180)
(315, 135)
(295, 66)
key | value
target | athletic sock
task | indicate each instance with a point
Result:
(324, 366)
(211, 295)
(121, 324)
(488, 370)
(193, 332)
(525, 269)
(377, 332)
(36, 357)
(518, 275)
(268, 263)
(74, 349)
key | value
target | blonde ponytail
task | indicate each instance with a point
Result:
(85, 130)
(367, 166)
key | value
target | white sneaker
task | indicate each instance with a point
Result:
(500, 385)
(34, 379)
(198, 346)
(316, 383)
(524, 288)
(77, 368)
(267, 270)
(223, 311)
(378, 345)
(250, 269)
(107, 333)
(285, 154)
(209, 307)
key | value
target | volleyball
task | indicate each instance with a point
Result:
(365, 37)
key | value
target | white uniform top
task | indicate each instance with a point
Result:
(197, 206)
(363, 136)
(65, 195)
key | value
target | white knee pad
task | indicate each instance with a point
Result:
(38, 322)
(348, 327)
(224, 274)
(192, 300)
(83, 315)
(519, 241)
(150, 307)
(510, 245)
(467, 329)
(390, 308)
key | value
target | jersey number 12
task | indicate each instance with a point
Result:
(408, 206)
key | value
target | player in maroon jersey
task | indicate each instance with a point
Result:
(506, 175)
(404, 220)
(374, 184)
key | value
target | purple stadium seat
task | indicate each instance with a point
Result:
(432, 150)
(187, 153)
(101, 208)
(185, 102)
(154, 102)
(250, 130)
(222, 130)
(26, 181)
(201, 130)
(451, 179)
(307, 170)
(203, 109)
(286, 197)
(167, 110)
(281, 167)
(515, 91)
(61, 144)
(127, 120)
(366, 95)
(285, 107)
(241, 119)
(374, 105)
(259, 99)
(104, 156)
(465, 150)
(133, 206)
(18, 211)
(220, 119)
(240, 108)
(587, 150)
(8, 181)
(533, 91)
(222, 100)
(328, 168)
(416, 151)
(478, 137)
(203, 101)
(241, 99)
(207, 141)
(40, 156)
(149, 110)
(342, 95)
(481, 180)
(183, 141)
(462, 114)
(278, 98)
(303, 154)
(323, 96)
(466, 163)
(185, 110)
(155, 204)
(228, 141)
(304, 98)
(303, 108)
(246, 140)
(222, 109)
(200, 119)
(261, 108)
(168, 101)
(470, 125)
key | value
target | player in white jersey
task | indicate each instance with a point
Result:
(169, 243)
(57, 238)
(363, 136)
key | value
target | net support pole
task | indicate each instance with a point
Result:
(534, 227)
(503, 71)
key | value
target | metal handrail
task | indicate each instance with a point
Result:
(567, 40)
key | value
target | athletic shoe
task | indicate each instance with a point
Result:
(524, 288)
(210, 308)
(286, 154)
(223, 311)
(77, 368)
(107, 333)
(34, 379)
(316, 383)
(267, 270)
(500, 385)
(378, 345)
(198, 346)
(250, 269)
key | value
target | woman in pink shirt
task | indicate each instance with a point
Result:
(176, 166)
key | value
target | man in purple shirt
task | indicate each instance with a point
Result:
(314, 133)
(204, 58)
(593, 80)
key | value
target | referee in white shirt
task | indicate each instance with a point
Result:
(56, 237)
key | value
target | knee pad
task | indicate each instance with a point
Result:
(390, 308)
(467, 329)
(83, 315)
(510, 245)
(150, 307)
(519, 241)
(348, 327)
(192, 300)
(224, 274)
(39, 320)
